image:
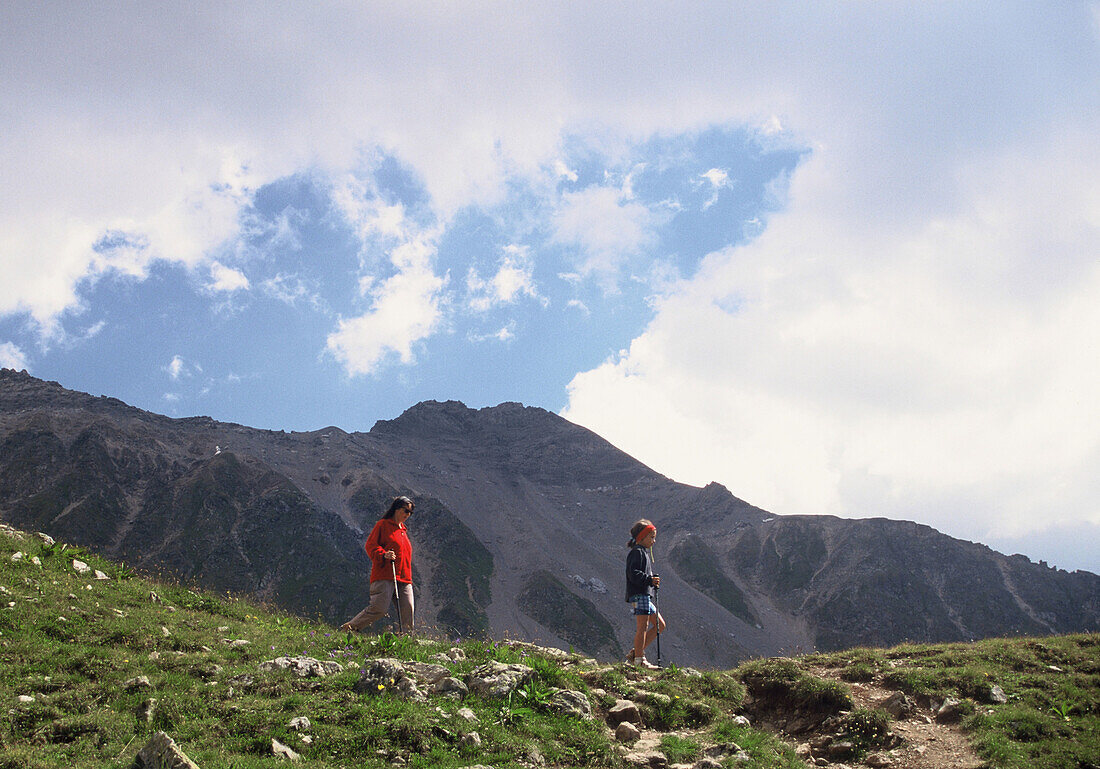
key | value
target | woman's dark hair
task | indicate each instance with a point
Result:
(636, 529)
(399, 503)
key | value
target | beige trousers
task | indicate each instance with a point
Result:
(381, 596)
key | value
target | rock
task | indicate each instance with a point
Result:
(283, 751)
(950, 711)
(571, 703)
(471, 740)
(467, 715)
(495, 679)
(722, 750)
(17, 556)
(24, 699)
(878, 761)
(81, 567)
(146, 710)
(299, 724)
(240, 643)
(451, 688)
(707, 763)
(47, 540)
(303, 667)
(899, 705)
(996, 695)
(141, 682)
(741, 721)
(387, 675)
(623, 710)
(627, 732)
(161, 752)
(427, 672)
(453, 654)
(840, 749)
(100, 575)
(651, 759)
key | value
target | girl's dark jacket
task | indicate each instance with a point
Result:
(639, 571)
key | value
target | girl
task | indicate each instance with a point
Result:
(641, 587)
(390, 570)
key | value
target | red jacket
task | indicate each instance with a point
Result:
(389, 535)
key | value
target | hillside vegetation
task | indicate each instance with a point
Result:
(93, 665)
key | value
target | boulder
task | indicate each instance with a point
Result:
(950, 711)
(388, 675)
(426, 672)
(161, 752)
(899, 705)
(627, 732)
(623, 710)
(281, 750)
(571, 703)
(303, 667)
(141, 682)
(450, 687)
(496, 679)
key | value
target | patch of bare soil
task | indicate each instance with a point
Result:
(925, 742)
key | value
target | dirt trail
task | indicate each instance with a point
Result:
(927, 743)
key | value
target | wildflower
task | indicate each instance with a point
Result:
(381, 687)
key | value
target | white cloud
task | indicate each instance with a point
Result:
(176, 368)
(11, 356)
(226, 279)
(921, 306)
(606, 228)
(941, 372)
(405, 309)
(292, 290)
(513, 279)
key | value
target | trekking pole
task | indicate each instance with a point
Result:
(657, 622)
(397, 598)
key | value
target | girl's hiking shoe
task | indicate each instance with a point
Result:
(642, 662)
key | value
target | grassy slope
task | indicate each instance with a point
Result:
(72, 643)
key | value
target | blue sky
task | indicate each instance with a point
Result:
(842, 258)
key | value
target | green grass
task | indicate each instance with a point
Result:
(73, 642)
(1052, 717)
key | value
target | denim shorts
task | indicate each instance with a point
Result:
(643, 605)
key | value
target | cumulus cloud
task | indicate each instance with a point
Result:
(513, 279)
(893, 341)
(606, 227)
(176, 368)
(938, 371)
(11, 356)
(226, 279)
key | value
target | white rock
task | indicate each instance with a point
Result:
(280, 749)
(24, 699)
(81, 567)
(299, 724)
(17, 556)
(100, 575)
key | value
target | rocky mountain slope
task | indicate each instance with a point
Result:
(520, 528)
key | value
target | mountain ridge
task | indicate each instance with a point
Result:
(502, 492)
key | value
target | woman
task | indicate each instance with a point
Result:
(391, 569)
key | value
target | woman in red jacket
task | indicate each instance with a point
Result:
(391, 569)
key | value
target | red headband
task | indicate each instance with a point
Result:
(645, 530)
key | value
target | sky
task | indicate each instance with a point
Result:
(840, 257)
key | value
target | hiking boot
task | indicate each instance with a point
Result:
(642, 662)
